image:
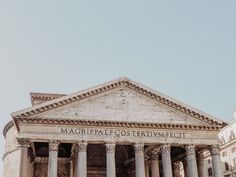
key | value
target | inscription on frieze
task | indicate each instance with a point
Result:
(123, 133)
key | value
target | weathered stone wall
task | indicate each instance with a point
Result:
(12, 156)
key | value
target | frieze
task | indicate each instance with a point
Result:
(123, 133)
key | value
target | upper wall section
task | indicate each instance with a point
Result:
(122, 104)
(119, 100)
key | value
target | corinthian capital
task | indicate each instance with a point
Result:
(110, 147)
(154, 154)
(190, 150)
(23, 142)
(200, 156)
(82, 146)
(74, 151)
(215, 150)
(53, 145)
(165, 149)
(139, 147)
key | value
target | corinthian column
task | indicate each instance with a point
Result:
(74, 158)
(139, 160)
(166, 160)
(82, 159)
(52, 159)
(216, 163)
(23, 146)
(201, 165)
(111, 163)
(154, 163)
(146, 162)
(191, 161)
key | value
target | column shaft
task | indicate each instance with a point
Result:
(146, 170)
(146, 162)
(52, 159)
(166, 160)
(191, 161)
(23, 144)
(185, 167)
(139, 160)
(216, 162)
(111, 164)
(201, 165)
(82, 159)
(154, 163)
(71, 168)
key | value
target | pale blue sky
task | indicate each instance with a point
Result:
(185, 49)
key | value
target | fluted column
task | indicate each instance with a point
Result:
(191, 161)
(52, 159)
(23, 146)
(166, 160)
(111, 163)
(82, 159)
(139, 160)
(216, 162)
(146, 161)
(74, 158)
(154, 163)
(201, 165)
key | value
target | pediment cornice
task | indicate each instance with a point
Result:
(123, 124)
(122, 83)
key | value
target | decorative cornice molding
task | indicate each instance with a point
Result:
(7, 127)
(11, 151)
(105, 123)
(123, 82)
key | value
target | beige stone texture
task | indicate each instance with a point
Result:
(120, 105)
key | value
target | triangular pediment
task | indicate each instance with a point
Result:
(121, 105)
(119, 100)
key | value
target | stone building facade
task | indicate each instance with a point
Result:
(227, 138)
(117, 129)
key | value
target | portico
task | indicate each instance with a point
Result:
(117, 129)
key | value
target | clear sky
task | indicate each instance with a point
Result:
(185, 49)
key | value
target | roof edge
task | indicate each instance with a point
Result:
(122, 82)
